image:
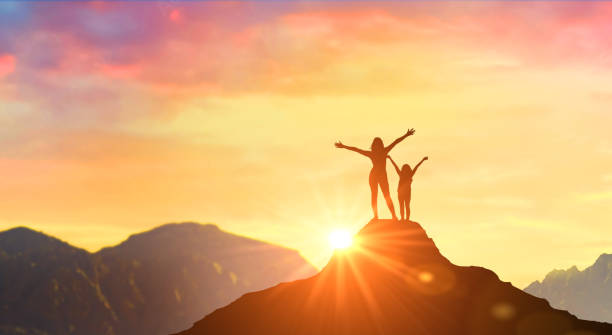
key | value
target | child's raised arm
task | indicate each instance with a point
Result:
(417, 166)
(357, 150)
(394, 165)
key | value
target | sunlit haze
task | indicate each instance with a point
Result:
(121, 116)
(340, 239)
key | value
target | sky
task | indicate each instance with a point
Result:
(121, 116)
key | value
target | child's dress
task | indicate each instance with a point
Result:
(404, 186)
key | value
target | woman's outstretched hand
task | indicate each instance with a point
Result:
(339, 145)
(410, 132)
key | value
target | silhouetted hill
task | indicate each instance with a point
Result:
(175, 273)
(587, 293)
(394, 282)
(46, 285)
(156, 282)
(22, 240)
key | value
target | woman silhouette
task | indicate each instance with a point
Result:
(378, 174)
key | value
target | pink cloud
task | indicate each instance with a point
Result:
(301, 44)
(175, 15)
(187, 49)
(7, 64)
(121, 71)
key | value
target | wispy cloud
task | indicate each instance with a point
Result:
(497, 201)
(596, 196)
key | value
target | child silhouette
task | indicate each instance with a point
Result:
(405, 185)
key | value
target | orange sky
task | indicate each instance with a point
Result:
(119, 117)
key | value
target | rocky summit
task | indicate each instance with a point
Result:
(394, 280)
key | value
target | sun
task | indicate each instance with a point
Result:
(340, 239)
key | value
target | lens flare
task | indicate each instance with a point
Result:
(340, 239)
(426, 277)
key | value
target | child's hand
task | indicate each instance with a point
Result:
(410, 132)
(339, 144)
(425, 158)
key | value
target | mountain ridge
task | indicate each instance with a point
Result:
(586, 293)
(21, 238)
(176, 269)
(394, 281)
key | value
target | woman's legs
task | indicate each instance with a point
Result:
(384, 187)
(374, 191)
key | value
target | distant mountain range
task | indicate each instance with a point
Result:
(154, 283)
(394, 282)
(587, 293)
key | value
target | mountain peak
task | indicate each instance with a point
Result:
(584, 293)
(603, 259)
(21, 231)
(393, 281)
(186, 226)
(405, 244)
(172, 238)
(154, 283)
(179, 228)
(167, 235)
(23, 239)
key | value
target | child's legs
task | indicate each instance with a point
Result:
(374, 193)
(407, 204)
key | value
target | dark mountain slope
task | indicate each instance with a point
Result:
(182, 271)
(394, 282)
(49, 285)
(153, 283)
(587, 293)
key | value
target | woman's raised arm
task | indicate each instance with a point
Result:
(357, 150)
(390, 146)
